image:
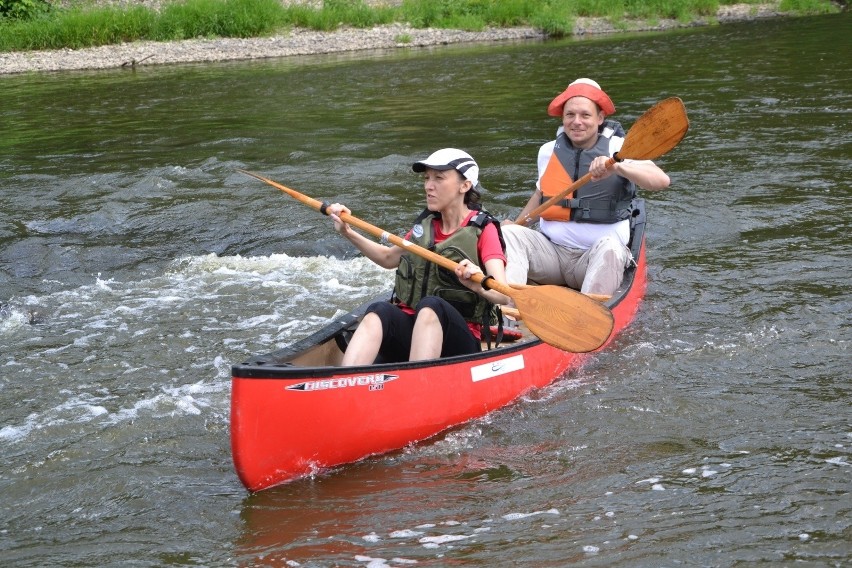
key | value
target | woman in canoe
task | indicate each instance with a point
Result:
(433, 313)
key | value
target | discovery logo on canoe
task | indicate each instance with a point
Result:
(374, 382)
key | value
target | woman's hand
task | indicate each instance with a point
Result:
(465, 271)
(335, 210)
(385, 256)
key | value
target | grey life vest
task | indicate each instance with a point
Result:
(604, 201)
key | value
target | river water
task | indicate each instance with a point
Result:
(136, 266)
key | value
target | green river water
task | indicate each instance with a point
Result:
(136, 266)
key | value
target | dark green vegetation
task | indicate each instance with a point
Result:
(38, 24)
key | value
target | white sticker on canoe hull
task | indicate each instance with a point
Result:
(497, 368)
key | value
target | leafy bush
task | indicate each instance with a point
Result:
(23, 9)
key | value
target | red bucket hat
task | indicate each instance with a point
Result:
(582, 88)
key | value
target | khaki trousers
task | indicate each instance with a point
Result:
(532, 259)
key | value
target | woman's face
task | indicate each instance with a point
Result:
(581, 119)
(444, 188)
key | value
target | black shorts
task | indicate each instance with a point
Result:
(397, 327)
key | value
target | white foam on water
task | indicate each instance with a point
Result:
(14, 434)
(13, 318)
(654, 482)
(75, 410)
(443, 538)
(381, 562)
(648, 480)
(516, 516)
(372, 562)
(187, 399)
(406, 533)
(281, 270)
(251, 323)
(470, 530)
(559, 386)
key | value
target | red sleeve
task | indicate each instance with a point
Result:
(489, 245)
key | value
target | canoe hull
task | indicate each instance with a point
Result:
(349, 415)
(290, 420)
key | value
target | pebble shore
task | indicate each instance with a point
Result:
(309, 42)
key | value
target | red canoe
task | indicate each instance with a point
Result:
(295, 413)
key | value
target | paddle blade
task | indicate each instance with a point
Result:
(657, 131)
(564, 318)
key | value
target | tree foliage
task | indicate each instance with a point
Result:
(23, 9)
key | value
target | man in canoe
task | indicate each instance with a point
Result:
(582, 242)
(434, 313)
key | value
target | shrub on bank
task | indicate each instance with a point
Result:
(23, 9)
(36, 24)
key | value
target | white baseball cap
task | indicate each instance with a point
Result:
(451, 159)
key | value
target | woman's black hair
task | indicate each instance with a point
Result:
(472, 197)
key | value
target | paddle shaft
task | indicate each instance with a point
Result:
(653, 134)
(525, 219)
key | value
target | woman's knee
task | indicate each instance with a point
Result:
(381, 308)
(382, 313)
(432, 307)
(372, 323)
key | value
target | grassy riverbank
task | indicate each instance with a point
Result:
(75, 24)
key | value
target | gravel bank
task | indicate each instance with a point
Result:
(307, 42)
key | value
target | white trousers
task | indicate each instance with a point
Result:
(532, 259)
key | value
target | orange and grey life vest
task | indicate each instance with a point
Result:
(604, 201)
(417, 277)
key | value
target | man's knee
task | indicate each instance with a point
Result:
(513, 236)
(606, 243)
(610, 249)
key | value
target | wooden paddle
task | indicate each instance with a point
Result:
(558, 316)
(595, 297)
(656, 132)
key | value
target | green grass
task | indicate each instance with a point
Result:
(79, 27)
(33, 24)
(808, 6)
